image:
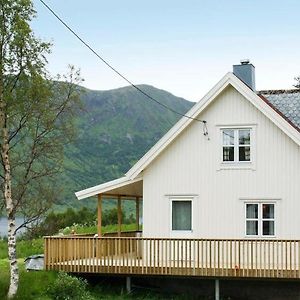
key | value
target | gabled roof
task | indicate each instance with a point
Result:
(135, 173)
(228, 79)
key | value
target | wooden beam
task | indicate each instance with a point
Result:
(119, 216)
(137, 211)
(99, 227)
(128, 197)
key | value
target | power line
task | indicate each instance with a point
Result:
(112, 68)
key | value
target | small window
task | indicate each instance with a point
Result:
(260, 219)
(236, 145)
(181, 215)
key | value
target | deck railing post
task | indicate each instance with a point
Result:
(137, 216)
(119, 216)
(99, 229)
(217, 289)
(128, 284)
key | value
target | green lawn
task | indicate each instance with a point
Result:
(32, 284)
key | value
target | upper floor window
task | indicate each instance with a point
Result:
(236, 145)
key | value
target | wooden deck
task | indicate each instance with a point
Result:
(176, 257)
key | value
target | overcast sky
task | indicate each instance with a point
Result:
(183, 47)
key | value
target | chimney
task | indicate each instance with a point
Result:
(245, 72)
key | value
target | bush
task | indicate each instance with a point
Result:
(68, 287)
(56, 221)
(71, 219)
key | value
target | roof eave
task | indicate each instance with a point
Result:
(228, 79)
(105, 187)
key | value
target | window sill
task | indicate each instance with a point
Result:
(258, 237)
(236, 166)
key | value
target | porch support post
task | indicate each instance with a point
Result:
(137, 210)
(99, 227)
(119, 216)
(217, 289)
(128, 284)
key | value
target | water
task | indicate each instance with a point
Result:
(3, 225)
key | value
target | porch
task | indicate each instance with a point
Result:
(174, 257)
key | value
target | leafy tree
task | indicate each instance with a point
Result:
(35, 122)
(297, 84)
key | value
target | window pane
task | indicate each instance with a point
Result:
(268, 211)
(244, 136)
(228, 153)
(244, 153)
(181, 215)
(252, 211)
(268, 227)
(252, 228)
(228, 137)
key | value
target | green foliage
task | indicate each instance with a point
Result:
(82, 229)
(79, 221)
(115, 129)
(67, 287)
(24, 248)
(56, 221)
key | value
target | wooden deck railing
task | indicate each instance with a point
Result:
(132, 233)
(163, 256)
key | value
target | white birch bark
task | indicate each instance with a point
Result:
(10, 209)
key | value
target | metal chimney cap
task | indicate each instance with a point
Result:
(245, 61)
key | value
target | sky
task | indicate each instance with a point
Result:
(184, 47)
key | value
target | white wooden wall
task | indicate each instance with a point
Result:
(191, 165)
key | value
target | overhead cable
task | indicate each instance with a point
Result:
(114, 69)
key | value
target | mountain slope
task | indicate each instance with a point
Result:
(115, 129)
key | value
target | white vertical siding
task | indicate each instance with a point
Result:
(191, 165)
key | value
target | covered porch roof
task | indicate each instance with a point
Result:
(123, 186)
(119, 189)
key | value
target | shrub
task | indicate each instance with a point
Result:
(68, 287)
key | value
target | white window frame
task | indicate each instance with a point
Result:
(260, 219)
(236, 164)
(181, 198)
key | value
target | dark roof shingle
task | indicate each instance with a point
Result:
(287, 102)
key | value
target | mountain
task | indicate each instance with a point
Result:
(114, 130)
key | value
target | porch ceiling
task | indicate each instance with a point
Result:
(120, 186)
(132, 189)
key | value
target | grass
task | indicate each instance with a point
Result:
(82, 229)
(32, 284)
(24, 248)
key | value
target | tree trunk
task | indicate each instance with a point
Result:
(12, 256)
(10, 209)
(11, 218)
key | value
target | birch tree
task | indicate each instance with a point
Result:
(36, 116)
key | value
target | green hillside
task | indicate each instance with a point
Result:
(114, 130)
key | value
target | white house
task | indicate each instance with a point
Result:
(220, 191)
(241, 180)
